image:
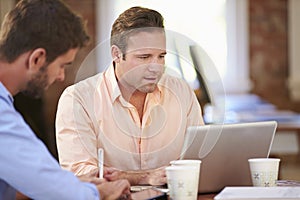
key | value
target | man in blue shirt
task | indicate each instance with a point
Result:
(38, 39)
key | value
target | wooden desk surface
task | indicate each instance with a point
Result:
(206, 196)
(288, 126)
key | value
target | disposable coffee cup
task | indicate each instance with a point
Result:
(182, 182)
(264, 171)
(193, 163)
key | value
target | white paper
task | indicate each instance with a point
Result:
(266, 193)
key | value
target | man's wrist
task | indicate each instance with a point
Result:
(138, 178)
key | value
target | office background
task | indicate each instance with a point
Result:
(269, 47)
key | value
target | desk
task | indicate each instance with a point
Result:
(206, 196)
(280, 183)
(290, 127)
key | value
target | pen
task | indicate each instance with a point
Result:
(100, 162)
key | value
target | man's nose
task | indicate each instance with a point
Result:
(61, 75)
(155, 67)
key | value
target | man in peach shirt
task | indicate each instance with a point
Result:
(133, 111)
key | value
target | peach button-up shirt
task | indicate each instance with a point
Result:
(93, 114)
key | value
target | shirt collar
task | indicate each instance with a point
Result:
(5, 93)
(155, 95)
(114, 87)
(115, 90)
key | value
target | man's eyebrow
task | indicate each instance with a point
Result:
(69, 63)
(142, 53)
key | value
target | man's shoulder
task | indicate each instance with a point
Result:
(174, 82)
(87, 84)
(177, 85)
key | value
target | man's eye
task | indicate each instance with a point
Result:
(143, 57)
(66, 65)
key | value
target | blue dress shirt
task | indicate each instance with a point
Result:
(26, 164)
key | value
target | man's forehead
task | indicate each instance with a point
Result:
(146, 51)
(146, 40)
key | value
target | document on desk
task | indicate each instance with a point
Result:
(254, 193)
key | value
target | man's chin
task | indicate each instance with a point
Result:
(33, 94)
(148, 88)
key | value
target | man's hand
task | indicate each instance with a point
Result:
(119, 189)
(143, 177)
(91, 177)
(112, 174)
(157, 177)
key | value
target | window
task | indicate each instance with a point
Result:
(218, 26)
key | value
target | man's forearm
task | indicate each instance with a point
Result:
(146, 177)
(137, 177)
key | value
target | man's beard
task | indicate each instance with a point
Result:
(36, 86)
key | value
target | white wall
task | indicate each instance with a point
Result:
(294, 48)
(5, 6)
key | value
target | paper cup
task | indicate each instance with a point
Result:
(193, 163)
(182, 182)
(264, 171)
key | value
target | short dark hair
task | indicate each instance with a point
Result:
(134, 19)
(47, 24)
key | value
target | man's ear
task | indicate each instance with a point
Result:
(37, 59)
(116, 53)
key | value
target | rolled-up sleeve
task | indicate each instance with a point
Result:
(75, 134)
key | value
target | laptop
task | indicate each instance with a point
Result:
(224, 150)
